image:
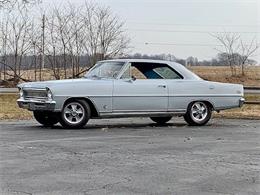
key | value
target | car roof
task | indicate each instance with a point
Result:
(140, 60)
(187, 74)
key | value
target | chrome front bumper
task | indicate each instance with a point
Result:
(33, 105)
(241, 102)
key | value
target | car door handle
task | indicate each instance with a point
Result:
(162, 86)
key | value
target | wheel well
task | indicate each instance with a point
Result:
(206, 102)
(209, 104)
(94, 112)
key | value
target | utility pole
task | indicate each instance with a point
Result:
(43, 46)
(35, 60)
(4, 57)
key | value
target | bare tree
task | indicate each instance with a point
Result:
(236, 51)
(16, 39)
(230, 46)
(65, 29)
(91, 31)
(62, 37)
(246, 52)
(52, 46)
(3, 48)
(35, 49)
(9, 4)
(63, 20)
(112, 41)
(75, 39)
(105, 37)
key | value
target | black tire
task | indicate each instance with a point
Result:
(83, 116)
(161, 120)
(47, 119)
(193, 119)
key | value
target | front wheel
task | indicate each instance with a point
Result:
(47, 119)
(198, 114)
(161, 120)
(75, 114)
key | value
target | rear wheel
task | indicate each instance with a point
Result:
(198, 114)
(45, 118)
(161, 120)
(75, 114)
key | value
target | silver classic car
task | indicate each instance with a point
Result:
(129, 88)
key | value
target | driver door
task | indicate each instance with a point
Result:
(139, 94)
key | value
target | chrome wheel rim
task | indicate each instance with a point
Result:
(199, 111)
(74, 113)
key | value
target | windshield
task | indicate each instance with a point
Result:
(105, 70)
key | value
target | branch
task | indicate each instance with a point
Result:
(14, 75)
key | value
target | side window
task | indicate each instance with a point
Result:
(137, 73)
(132, 71)
(143, 70)
(167, 73)
(127, 73)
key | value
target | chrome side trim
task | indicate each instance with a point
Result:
(188, 95)
(206, 95)
(149, 111)
(140, 114)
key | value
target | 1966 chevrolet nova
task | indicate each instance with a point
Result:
(129, 88)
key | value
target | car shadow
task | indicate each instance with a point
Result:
(118, 126)
(133, 126)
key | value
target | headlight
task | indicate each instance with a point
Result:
(21, 92)
(49, 95)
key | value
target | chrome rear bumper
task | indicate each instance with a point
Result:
(241, 102)
(33, 105)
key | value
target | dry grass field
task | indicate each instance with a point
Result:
(223, 74)
(10, 111)
(212, 73)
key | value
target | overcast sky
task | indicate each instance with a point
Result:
(159, 22)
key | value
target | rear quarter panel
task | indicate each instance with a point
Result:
(220, 95)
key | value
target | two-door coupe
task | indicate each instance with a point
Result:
(129, 88)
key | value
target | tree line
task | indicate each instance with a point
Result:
(63, 39)
(68, 39)
(221, 59)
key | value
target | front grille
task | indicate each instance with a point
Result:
(35, 94)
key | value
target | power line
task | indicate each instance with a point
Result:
(180, 44)
(208, 25)
(192, 31)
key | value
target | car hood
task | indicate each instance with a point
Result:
(49, 84)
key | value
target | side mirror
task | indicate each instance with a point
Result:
(133, 78)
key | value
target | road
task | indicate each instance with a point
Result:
(131, 156)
